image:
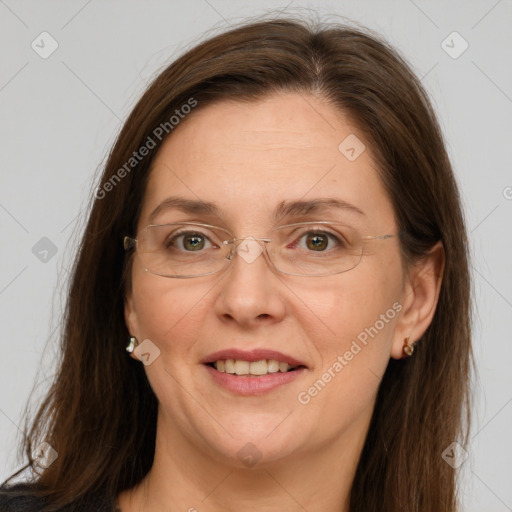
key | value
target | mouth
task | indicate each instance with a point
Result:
(243, 368)
(252, 372)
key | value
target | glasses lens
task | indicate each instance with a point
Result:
(308, 249)
(315, 249)
(183, 250)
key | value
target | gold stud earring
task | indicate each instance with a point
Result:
(408, 350)
(131, 344)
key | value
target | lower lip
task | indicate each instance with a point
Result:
(253, 385)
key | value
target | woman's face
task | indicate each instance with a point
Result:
(248, 159)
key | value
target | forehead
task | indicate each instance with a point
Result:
(250, 157)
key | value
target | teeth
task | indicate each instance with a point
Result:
(272, 366)
(283, 367)
(257, 368)
(242, 367)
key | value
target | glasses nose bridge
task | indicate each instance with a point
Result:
(248, 254)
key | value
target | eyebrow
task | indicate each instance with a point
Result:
(304, 207)
(185, 205)
(283, 209)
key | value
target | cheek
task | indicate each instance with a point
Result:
(351, 302)
(168, 313)
(358, 313)
(352, 353)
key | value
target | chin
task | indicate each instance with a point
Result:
(254, 444)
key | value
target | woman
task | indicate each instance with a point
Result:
(278, 243)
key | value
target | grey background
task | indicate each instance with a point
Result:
(61, 114)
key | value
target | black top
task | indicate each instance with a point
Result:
(18, 498)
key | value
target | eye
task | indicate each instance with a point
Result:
(188, 241)
(319, 241)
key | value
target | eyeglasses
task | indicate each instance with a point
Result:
(189, 249)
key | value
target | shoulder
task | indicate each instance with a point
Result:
(22, 498)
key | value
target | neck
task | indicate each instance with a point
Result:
(184, 478)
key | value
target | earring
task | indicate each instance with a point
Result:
(132, 344)
(407, 350)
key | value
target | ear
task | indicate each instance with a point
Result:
(419, 299)
(130, 317)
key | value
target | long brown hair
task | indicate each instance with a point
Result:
(100, 413)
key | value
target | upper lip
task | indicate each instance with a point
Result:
(252, 355)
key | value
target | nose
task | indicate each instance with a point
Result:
(250, 292)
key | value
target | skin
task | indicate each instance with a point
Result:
(247, 158)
